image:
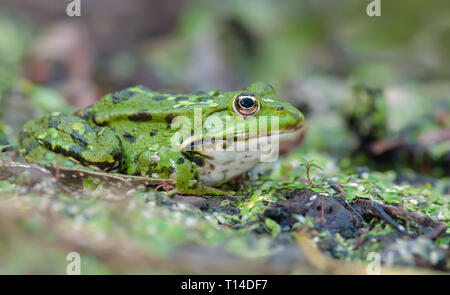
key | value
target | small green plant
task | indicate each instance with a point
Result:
(308, 165)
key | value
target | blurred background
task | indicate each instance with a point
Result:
(380, 85)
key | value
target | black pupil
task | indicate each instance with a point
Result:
(247, 102)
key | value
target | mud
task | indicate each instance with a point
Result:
(328, 213)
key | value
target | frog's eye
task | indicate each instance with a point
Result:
(245, 105)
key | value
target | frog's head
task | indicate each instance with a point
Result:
(257, 105)
(254, 112)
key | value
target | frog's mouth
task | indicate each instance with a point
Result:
(237, 142)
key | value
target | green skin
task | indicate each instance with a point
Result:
(130, 132)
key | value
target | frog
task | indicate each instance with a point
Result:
(139, 131)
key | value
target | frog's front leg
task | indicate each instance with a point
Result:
(169, 163)
(71, 136)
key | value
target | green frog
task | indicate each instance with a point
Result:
(199, 140)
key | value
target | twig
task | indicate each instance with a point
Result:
(425, 221)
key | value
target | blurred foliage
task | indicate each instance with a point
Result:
(15, 39)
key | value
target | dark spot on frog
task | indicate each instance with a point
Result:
(180, 161)
(169, 119)
(168, 170)
(127, 93)
(280, 108)
(158, 98)
(84, 113)
(195, 157)
(88, 128)
(33, 144)
(181, 98)
(54, 121)
(76, 150)
(198, 160)
(128, 136)
(142, 115)
(120, 96)
(153, 132)
(205, 99)
(79, 138)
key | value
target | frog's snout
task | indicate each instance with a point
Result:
(300, 119)
(295, 118)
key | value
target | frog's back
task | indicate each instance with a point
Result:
(142, 118)
(140, 104)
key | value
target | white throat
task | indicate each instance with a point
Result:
(223, 164)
